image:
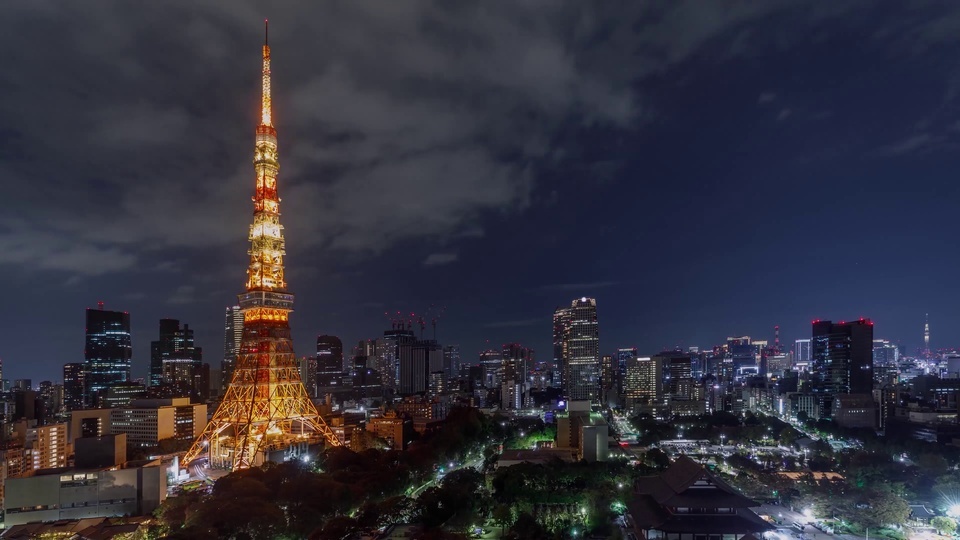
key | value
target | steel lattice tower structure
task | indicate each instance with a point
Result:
(266, 405)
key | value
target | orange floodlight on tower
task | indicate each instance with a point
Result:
(266, 407)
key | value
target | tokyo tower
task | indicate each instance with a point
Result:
(266, 406)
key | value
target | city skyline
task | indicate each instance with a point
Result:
(771, 132)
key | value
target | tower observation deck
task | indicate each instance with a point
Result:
(265, 406)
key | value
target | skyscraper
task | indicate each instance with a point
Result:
(417, 360)
(329, 362)
(608, 380)
(842, 358)
(73, 387)
(644, 382)
(561, 325)
(624, 358)
(451, 360)
(308, 373)
(395, 346)
(802, 355)
(232, 337)
(491, 361)
(885, 353)
(580, 339)
(516, 364)
(176, 361)
(265, 407)
(107, 352)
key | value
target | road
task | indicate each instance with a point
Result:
(474, 463)
(199, 471)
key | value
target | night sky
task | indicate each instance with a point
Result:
(703, 171)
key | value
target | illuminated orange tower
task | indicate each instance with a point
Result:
(266, 406)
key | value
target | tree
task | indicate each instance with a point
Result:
(502, 516)
(656, 458)
(944, 525)
(932, 464)
(884, 508)
(527, 528)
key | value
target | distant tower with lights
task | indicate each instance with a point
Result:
(926, 335)
(266, 406)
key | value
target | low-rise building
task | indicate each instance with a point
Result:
(687, 501)
(854, 411)
(146, 422)
(44, 446)
(54, 494)
(88, 423)
(393, 428)
(583, 430)
(542, 456)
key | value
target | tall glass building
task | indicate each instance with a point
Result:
(232, 336)
(107, 352)
(580, 348)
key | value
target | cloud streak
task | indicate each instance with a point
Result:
(438, 259)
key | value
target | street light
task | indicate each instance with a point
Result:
(954, 510)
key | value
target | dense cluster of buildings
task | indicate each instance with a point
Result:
(390, 388)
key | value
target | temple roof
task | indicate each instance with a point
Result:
(676, 487)
(687, 484)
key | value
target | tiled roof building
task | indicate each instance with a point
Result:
(688, 502)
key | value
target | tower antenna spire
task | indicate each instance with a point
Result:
(266, 112)
(266, 32)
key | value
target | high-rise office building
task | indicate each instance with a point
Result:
(561, 325)
(624, 358)
(842, 357)
(678, 373)
(308, 373)
(329, 362)
(52, 397)
(491, 361)
(107, 352)
(608, 380)
(417, 361)
(744, 355)
(802, 355)
(644, 381)
(176, 361)
(395, 346)
(232, 336)
(451, 360)
(580, 338)
(885, 353)
(73, 386)
(516, 365)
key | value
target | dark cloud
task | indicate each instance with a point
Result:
(478, 132)
(437, 259)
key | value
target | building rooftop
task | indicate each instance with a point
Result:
(687, 484)
(541, 456)
(79, 529)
